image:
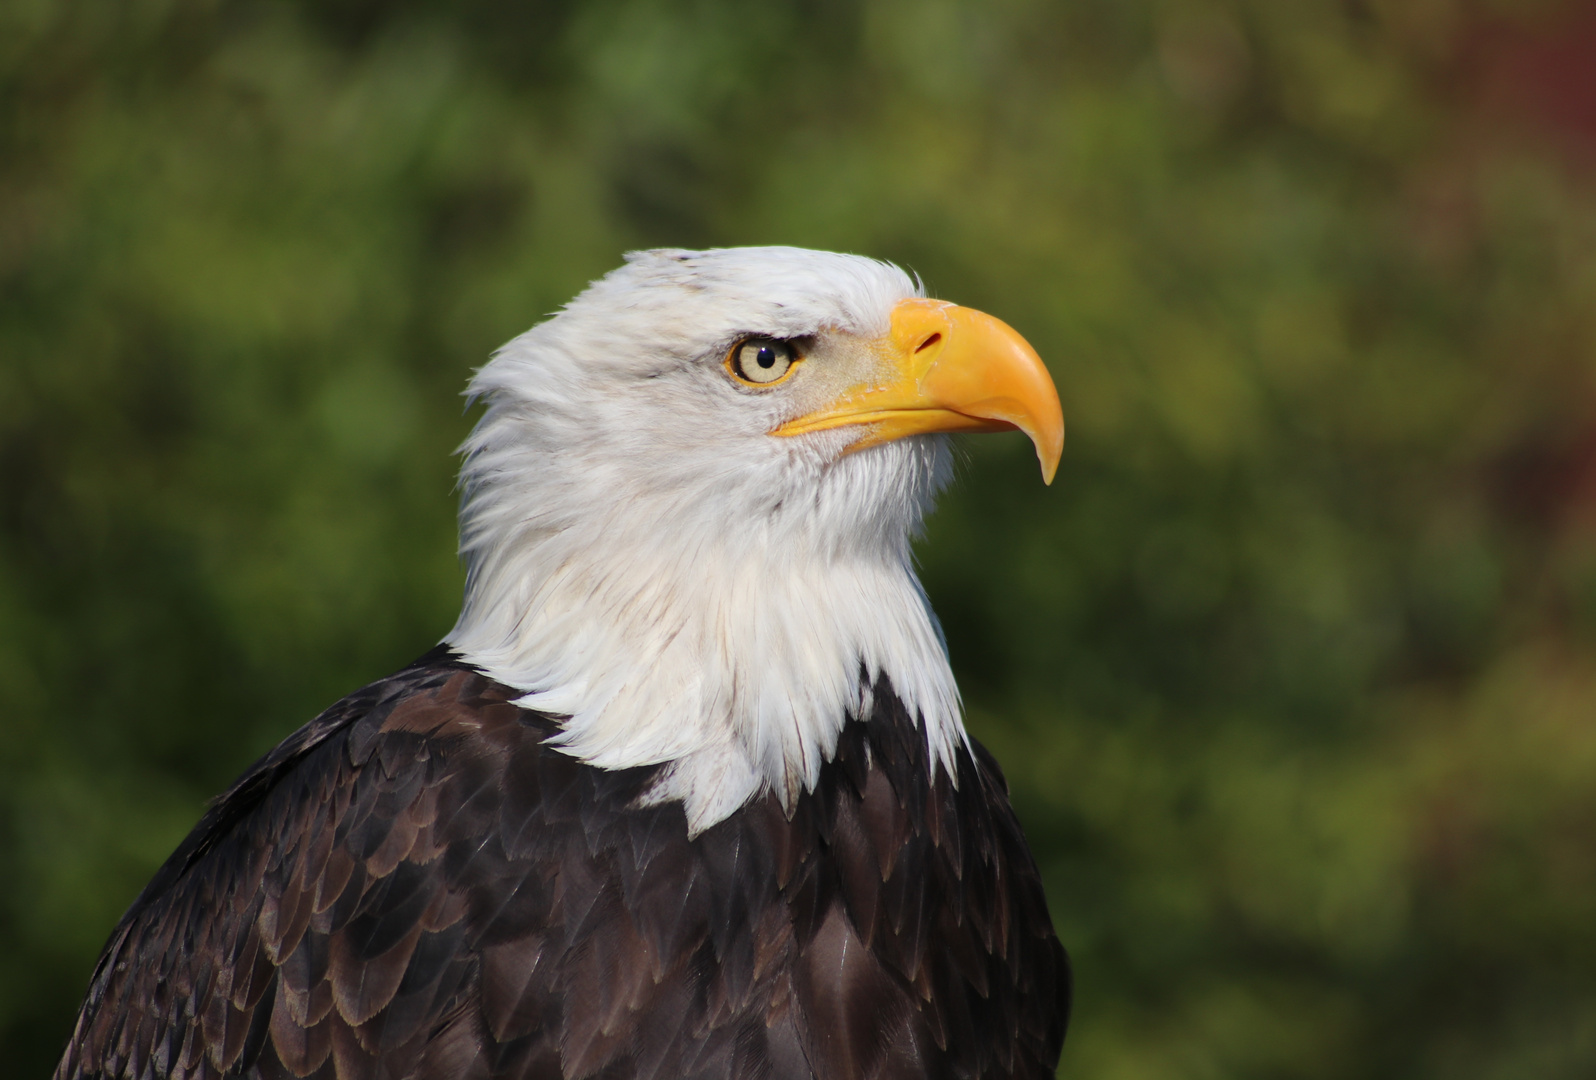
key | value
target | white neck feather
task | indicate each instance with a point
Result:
(739, 673)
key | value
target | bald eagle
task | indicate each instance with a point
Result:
(685, 792)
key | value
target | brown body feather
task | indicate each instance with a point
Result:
(416, 885)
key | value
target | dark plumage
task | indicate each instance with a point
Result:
(416, 885)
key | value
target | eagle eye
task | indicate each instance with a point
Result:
(761, 360)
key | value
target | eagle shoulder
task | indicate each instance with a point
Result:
(306, 909)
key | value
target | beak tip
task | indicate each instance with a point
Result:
(1049, 465)
(1049, 442)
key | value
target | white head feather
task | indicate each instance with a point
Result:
(645, 559)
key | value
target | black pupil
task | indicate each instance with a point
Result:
(766, 357)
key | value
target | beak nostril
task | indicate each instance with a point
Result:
(928, 342)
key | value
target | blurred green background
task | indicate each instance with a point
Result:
(1294, 668)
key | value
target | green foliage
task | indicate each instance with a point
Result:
(1293, 667)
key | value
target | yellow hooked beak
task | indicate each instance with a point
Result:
(949, 368)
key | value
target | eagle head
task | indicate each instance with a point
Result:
(687, 510)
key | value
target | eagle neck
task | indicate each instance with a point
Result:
(735, 682)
